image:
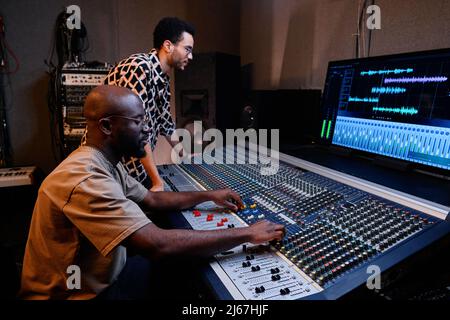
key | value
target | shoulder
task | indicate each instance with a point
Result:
(137, 59)
(82, 164)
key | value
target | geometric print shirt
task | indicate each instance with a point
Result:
(142, 73)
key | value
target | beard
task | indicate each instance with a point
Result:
(132, 147)
(182, 65)
(139, 151)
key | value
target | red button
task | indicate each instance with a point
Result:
(197, 213)
(220, 224)
(224, 220)
(209, 218)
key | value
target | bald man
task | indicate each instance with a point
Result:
(88, 211)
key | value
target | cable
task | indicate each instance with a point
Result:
(362, 4)
(5, 51)
(357, 31)
(370, 35)
(61, 44)
(55, 113)
(5, 146)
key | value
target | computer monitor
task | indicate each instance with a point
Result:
(396, 106)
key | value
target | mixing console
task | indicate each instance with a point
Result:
(334, 230)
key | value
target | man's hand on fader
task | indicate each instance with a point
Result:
(264, 231)
(227, 198)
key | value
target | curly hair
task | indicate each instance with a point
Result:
(170, 28)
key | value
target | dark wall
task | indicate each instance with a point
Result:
(288, 43)
(291, 41)
(116, 29)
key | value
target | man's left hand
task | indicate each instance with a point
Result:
(227, 198)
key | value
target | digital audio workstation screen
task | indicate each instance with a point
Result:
(396, 106)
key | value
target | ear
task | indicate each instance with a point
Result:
(105, 126)
(168, 46)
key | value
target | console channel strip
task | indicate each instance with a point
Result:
(334, 230)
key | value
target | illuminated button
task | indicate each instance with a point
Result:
(220, 224)
(253, 206)
(224, 220)
(196, 213)
(210, 217)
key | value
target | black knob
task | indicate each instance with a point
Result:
(256, 268)
(260, 289)
(276, 277)
(284, 291)
(274, 270)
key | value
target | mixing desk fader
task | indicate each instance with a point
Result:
(336, 227)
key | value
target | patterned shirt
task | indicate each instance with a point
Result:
(142, 73)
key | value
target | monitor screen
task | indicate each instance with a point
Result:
(396, 106)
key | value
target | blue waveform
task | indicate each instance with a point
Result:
(356, 99)
(402, 110)
(388, 90)
(415, 79)
(395, 71)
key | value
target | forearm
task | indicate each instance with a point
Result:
(175, 200)
(166, 243)
(149, 166)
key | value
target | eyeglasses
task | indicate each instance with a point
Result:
(138, 121)
(188, 49)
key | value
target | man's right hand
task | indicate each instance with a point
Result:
(157, 186)
(264, 231)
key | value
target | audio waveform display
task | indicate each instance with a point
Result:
(417, 143)
(356, 99)
(389, 71)
(388, 98)
(401, 110)
(388, 90)
(415, 79)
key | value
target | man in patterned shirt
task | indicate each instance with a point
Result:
(146, 74)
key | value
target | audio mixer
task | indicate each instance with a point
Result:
(336, 227)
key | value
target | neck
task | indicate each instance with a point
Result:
(106, 150)
(164, 61)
